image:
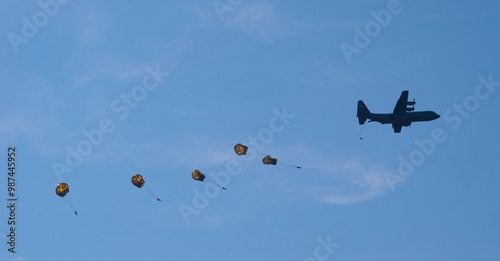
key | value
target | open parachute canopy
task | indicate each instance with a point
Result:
(62, 189)
(240, 149)
(197, 175)
(137, 180)
(268, 160)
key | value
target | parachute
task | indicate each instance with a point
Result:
(61, 190)
(240, 149)
(197, 175)
(268, 160)
(138, 181)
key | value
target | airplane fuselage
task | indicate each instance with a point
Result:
(403, 119)
(401, 116)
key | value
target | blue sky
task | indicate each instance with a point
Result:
(205, 79)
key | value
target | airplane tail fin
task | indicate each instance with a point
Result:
(363, 112)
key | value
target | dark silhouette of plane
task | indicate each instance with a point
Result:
(401, 116)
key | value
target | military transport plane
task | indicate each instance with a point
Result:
(401, 116)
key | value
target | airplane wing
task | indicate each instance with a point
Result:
(397, 128)
(401, 104)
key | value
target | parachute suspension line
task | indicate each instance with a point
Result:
(362, 129)
(290, 165)
(260, 152)
(71, 205)
(293, 166)
(224, 188)
(150, 192)
(264, 154)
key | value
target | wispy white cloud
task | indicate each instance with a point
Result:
(190, 152)
(262, 20)
(15, 124)
(358, 183)
(91, 59)
(432, 17)
(35, 126)
(90, 68)
(93, 26)
(259, 19)
(211, 221)
(340, 182)
(328, 26)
